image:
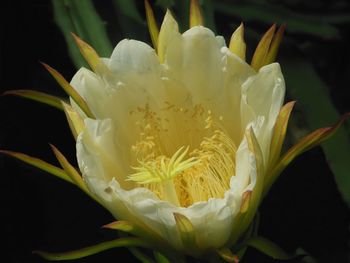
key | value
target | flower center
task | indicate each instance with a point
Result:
(197, 166)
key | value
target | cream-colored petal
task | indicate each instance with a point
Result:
(211, 220)
(250, 175)
(135, 62)
(87, 84)
(101, 156)
(246, 176)
(115, 100)
(195, 59)
(98, 162)
(262, 95)
(236, 72)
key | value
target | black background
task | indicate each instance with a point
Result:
(39, 211)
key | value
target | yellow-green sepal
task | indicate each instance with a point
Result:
(227, 255)
(89, 54)
(255, 195)
(245, 201)
(308, 142)
(37, 96)
(279, 132)
(196, 17)
(152, 25)
(251, 197)
(38, 163)
(139, 230)
(72, 173)
(186, 231)
(168, 30)
(91, 250)
(262, 49)
(275, 44)
(124, 226)
(75, 121)
(267, 49)
(237, 44)
(70, 90)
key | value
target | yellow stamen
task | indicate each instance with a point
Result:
(162, 168)
(184, 177)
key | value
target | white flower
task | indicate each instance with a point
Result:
(182, 131)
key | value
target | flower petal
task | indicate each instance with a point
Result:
(97, 161)
(195, 59)
(102, 97)
(169, 32)
(210, 219)
(100, 157)
(262, 95)
(236, 71)
(133, 58)
(249, 174)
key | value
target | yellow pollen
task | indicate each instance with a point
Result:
(193, 173)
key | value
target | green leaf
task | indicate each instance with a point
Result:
(130, 20)
(38, 163)
(141, 256)
(38, 96)
(182, 13)
(208, 13)
(91, 250)
(269, 14)
(319, 111)
(129, 9)
(167, 3)
(81, 18)
(160, 258)
(268, 248)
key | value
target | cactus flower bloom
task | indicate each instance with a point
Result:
(181, 134)
(179, 142)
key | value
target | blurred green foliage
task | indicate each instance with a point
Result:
(312, 54)
(81, 18)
